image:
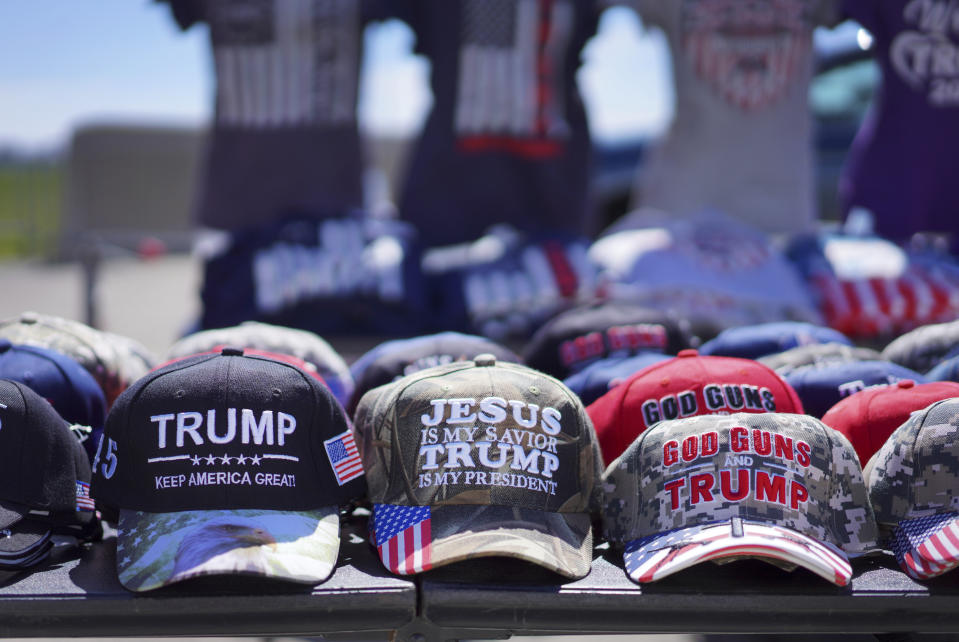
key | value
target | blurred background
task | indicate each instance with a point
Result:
(103, 107)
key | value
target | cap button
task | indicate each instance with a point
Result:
(906, 383)
(29, 317)
(232, 352)
(484, 360)
(688, 352)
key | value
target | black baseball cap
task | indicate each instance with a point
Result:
(577, 337)
(227, 463)
(44, 477)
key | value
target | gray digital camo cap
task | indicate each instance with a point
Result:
(913, 484)
(780, 487)
(477, 458)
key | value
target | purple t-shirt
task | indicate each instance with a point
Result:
(507, 138)
(284, 138)
(899, 166)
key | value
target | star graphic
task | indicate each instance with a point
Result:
(241, 459)
(126, 560)
(255, 460)
(196, 460)
(210, 460)
(225, 459)
(137, 541)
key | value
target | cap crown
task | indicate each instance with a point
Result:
(56, 377)
(787, 469)
(463, 434)
(916, 472)
(868, 417)
(41, 459)
(223, 431)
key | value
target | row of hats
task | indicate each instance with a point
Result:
(186, 426)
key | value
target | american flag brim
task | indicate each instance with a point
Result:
(931, 554)
(658, 557)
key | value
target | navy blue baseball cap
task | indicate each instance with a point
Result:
(397, 358)
(754, 341)
(822, 386)
(947, 370)
(582, 335)
(599, 377)
(73, 392)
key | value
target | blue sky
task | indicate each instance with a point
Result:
(64, 63)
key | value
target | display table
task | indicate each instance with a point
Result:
(76, 593)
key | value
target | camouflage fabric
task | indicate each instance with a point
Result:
(816, 354)
(302, 344)
(114, 361)
(916, 472)
(157, 549)
(924, 347)
(505, 457)
(785, 469)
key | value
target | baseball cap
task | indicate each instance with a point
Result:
(817, 354)
(945, 370)
(302, 344)
(397, 358)
(479, 458)
(758, 340)
(685, 386)
(223, 464)
(60, 380)
(114, 361)
(44, 478)
(924, 347)
(868, 417)
(584, 334)
(783, 488)
(822, 386)
(599, 377)
(913, 484)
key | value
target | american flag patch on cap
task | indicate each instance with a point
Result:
(927, 546)
(84, 501)
(344, 457)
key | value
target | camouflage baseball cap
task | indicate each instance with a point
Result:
(913, 484)
(478, 458)
(784, 488)
(228, 463)
(115, 361)
(302, 344)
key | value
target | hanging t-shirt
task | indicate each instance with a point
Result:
(507, 138)
(899, 166)
(741, 137)
(284, 136)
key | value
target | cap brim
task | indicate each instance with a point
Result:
(927, 547)
(158, 549)
(433, 536)
(654, 558)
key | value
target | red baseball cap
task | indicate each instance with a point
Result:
(684, 386)
(868, 417)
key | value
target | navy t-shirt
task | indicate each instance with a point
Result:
(900, 165)
(507, 138)
(284, 136)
